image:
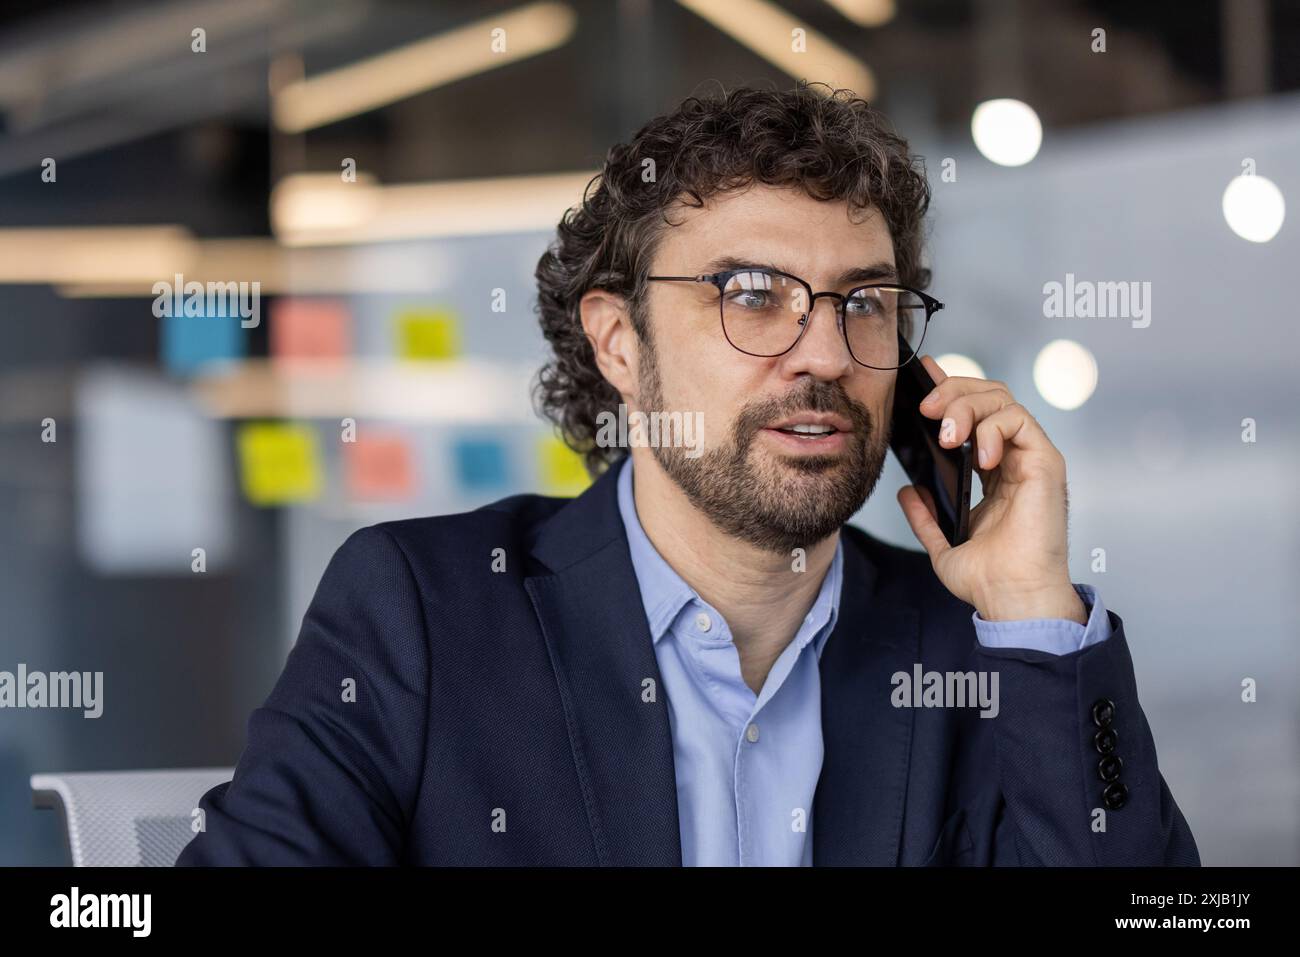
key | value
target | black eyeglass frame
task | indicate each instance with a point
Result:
(720, 280)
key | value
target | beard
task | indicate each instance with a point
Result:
(772, 501)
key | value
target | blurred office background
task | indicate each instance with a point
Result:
(390, 172)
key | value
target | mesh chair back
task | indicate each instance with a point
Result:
(126, 818)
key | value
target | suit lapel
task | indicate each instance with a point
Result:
(858, 805)
(600, 647)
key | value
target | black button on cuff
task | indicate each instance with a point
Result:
(1115, 795)
(1108, 768)
(1103, 712)
(1105, 741)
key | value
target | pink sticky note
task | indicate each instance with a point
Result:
(379, 466)
(310, 329)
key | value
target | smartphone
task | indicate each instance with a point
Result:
(946, 473)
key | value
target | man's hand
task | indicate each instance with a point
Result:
(1015, 564)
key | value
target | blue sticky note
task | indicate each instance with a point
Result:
(188, 342)
(480, 463)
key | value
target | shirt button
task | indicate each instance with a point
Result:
(703, 622)
(751, 733)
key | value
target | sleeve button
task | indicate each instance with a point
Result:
(1108, 768)
(1115, 795)
(1103, 712)
(1105, 741)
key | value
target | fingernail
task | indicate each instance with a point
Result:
(947, 429)
(984, 459)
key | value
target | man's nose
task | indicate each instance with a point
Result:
(821, 350)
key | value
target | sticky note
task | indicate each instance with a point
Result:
(188, 342)
(312, 329)
(561, 470)
(428, 334)
(279, 462)
(379, 465)
(480, 464)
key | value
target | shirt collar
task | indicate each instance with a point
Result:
(664, 593)
(827, 606)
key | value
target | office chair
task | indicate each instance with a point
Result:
(126, 818)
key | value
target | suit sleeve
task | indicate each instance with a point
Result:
(333, 761)
(1076, 763)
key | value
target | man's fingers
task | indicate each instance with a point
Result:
(956, 388)
(920, 517)
(1013, 425)
(932, 367)
(963, 412)
(993, 418)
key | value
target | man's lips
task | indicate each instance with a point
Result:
(825, 443)
(813, 422)
(811, 433)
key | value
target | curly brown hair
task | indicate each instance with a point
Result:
(831, 144)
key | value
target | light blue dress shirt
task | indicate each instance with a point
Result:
(747, 765)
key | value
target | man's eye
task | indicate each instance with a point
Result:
(749, 299)
(861, 306)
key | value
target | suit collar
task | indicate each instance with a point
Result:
(582, 526)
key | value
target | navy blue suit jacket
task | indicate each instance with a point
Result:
(515, 696)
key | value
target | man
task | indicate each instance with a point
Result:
(696, 661)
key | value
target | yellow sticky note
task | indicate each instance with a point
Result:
(279, 463)
(428, 334)
(561, 469)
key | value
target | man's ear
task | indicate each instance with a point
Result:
(607, 321)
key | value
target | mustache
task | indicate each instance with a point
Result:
(813, 397)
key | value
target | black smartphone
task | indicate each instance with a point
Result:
(946, 473)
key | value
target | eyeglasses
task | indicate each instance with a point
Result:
(765, 313)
